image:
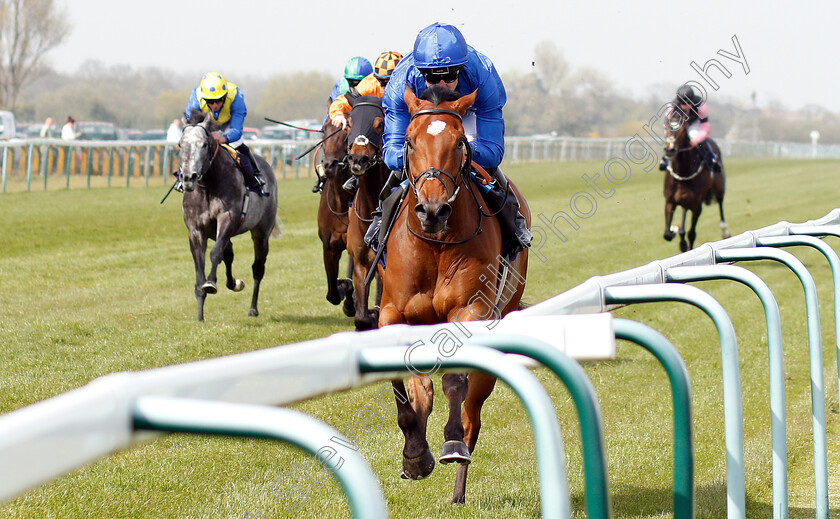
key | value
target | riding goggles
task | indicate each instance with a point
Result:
(448, 75)
(214, 101)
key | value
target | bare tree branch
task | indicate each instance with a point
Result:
(28, 30)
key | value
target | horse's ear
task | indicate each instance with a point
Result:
(196, 116)
(461, 104)
(411, 100)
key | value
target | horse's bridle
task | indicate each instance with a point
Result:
(206, 167)
(434, 173)
(671, 140)
(364, 140)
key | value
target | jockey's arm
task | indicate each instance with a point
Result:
(192, 104)
(238, 111)
(488, 148)
(339, 108)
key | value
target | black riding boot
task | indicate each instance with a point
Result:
(320, 178)
(663, 164)
(253, 178)
(351, 184)
(388, 203)
(502, 200)
(710, 157)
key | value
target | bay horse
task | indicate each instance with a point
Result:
(689, 183)
(364, 157)
(218, 206)
(333, 219)
(444, 256)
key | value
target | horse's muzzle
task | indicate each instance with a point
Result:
(189, 181)
(360, 163)
(433, 216)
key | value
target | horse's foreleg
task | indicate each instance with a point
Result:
(349, 307)
(669, 215)
(198, 245)
(692, 233)
(683, 243)
(454, 448)
(418, 462)
(232, 283)
(258, 268)
(331, 258)
(479, 388)
(364, 320)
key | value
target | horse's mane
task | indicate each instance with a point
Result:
(200, 117)
(439, 94)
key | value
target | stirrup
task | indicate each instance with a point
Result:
(319, 185)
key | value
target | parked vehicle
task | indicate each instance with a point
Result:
(97, 131)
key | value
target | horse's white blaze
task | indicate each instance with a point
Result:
(435, 127)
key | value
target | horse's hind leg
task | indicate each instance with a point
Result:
(479, 388)
(720, 190)
(232, 283)
(683, 244)
(413, 409)
(258, 268)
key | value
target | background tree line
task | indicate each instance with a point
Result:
(552, 98)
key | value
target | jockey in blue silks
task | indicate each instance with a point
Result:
(226, 105)
(441, 56)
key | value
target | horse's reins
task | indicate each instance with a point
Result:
(434, 173)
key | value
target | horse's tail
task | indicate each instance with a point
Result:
(277, 230)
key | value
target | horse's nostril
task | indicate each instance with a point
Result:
(420, 211)
(444, 211)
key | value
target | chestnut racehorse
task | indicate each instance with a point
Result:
(332, 216)
(444, 255)
(364, 160)
(689, 183)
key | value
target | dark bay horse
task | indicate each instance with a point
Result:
(689, 183)
(443, 252)
(364, 157)
(218, 206)
(333, 216)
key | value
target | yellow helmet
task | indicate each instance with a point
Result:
(213, 86)
(385, 64)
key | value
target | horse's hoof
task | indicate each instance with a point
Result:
(238, 285)
(726, 234)
(683, 246)
(253, 312)
(669, 235)
(455, 451)
(419, 467)
(209, 287)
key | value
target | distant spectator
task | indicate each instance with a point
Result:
(68, 131)
(173, 134)
(46, 130)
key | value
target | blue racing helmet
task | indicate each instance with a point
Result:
(440, 45)
(357, 68)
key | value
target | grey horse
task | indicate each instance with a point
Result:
(218, 206)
